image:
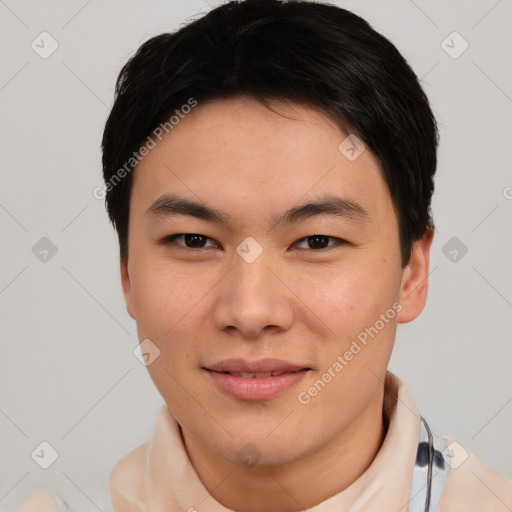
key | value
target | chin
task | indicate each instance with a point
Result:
(264, 451)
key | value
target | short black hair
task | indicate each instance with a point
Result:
(314, 53)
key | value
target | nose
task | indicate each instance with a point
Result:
(253, 299)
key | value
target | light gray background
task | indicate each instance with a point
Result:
(68, 373)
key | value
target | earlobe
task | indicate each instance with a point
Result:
(127, 288)
(414, 285)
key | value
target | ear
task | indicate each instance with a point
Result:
(127, 288)
(414, 286)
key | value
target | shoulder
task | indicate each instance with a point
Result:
(474, 486)
(46, 500)
(127, 481)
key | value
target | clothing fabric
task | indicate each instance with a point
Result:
(158, 476)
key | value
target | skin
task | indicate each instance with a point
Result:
(202, 304)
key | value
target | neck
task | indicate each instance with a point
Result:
(298, 484)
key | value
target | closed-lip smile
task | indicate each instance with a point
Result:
(261, 366)
(255, 380)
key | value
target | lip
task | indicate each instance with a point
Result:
(263, 365)
(255, 388)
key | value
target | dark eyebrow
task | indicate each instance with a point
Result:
(170, 205)
(327, 205)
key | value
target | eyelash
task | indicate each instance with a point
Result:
(171, 238)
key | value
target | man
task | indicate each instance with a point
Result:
(269, 170)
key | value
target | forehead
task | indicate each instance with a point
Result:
(241, 153)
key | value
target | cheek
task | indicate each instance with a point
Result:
(167, 306)
(346, 298)
(162, 296)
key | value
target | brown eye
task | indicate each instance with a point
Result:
(189, 240)
(319, 242)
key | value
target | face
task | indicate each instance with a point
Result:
(257, 284)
